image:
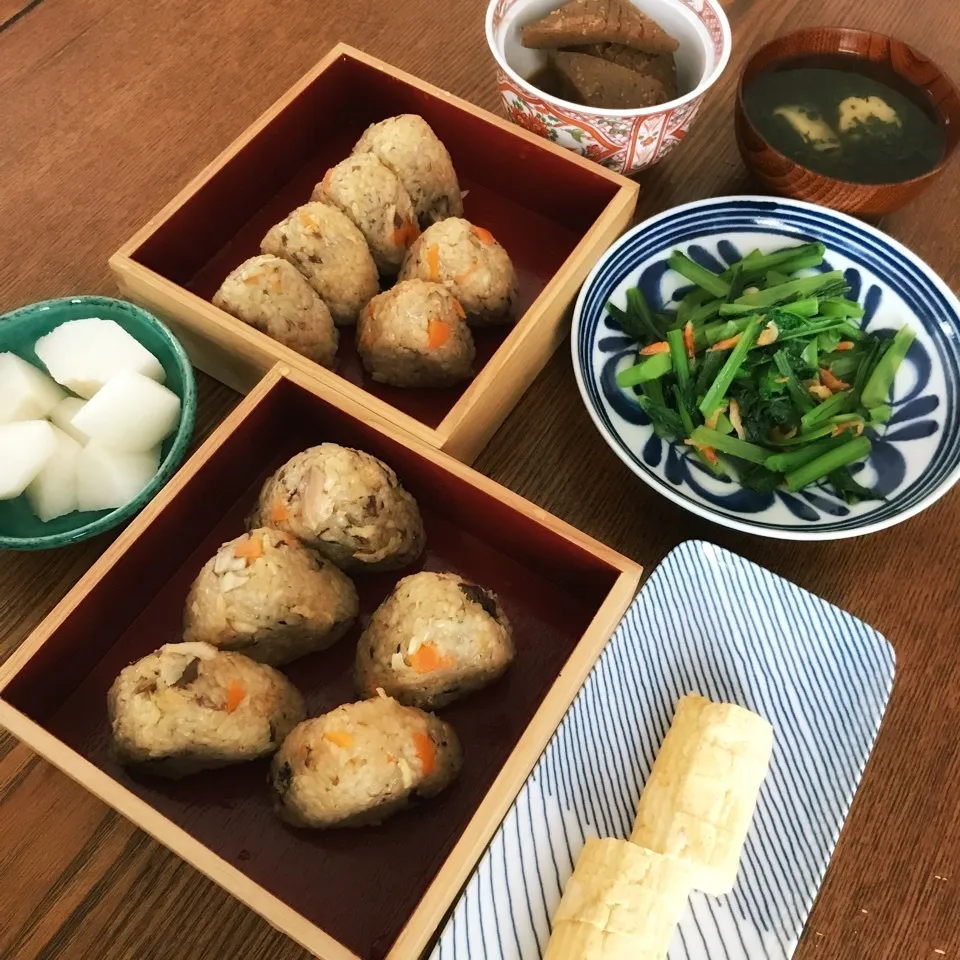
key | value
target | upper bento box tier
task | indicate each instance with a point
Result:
(344, 894)
(553, 212)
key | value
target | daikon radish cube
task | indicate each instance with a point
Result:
(84, 354)
(62, 416)
(53, 492)
(130, 413)
(107, 478)
(25, 446)
(26, 393)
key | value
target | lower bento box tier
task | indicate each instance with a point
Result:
(553, 213)
(370, 891)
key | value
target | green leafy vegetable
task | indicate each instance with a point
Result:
(773, 351)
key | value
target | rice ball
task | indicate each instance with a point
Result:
(346, 505)
(332, 255)
(408, 146)
(190, 707)
(270, 597)
(375, 201)
(416, 335)
(270, 294)
(471, 265)
(434, 639)
(361, 763)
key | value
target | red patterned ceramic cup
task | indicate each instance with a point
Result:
(624, 140)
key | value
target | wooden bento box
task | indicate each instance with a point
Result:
(369, 892)
(554, 212)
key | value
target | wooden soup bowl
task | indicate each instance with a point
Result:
(788, 178)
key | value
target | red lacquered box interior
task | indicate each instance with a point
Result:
(359, 885)
(537, 204)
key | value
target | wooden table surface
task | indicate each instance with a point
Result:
(107, 107)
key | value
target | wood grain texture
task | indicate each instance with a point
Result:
(107, 107)
(783, 176)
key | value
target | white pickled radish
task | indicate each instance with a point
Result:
(62, 416)
(131, 413)
(84, 354)
(25, 446)
(26, 393)
(53, 492)
(107, 478)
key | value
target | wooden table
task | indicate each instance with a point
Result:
(106, 108)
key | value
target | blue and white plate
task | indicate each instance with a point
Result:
(706, 621)
(916, 456)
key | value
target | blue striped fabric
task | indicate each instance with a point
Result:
(706, 621)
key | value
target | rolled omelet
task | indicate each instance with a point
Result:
(622, 903)
(702, 792)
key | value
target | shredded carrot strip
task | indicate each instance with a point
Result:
(708, 452)
(235, 695)
(727, 344)
(249, 549)
(404, 235)
(654, 348)
(252, 278)
(843, 427)
(340, 737)
(768, 335)
(307, 220)
(483, 235)
(460, 277)
(736, 419)
(458, 306)
(844, 345)
(279, 512)
(714, 417)
(426, 752)
(438, 333)
(426, 659)
(832, 382)
(820, 391)
(688, 338)
(433, 262)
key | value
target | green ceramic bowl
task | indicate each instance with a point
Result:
(19, 331)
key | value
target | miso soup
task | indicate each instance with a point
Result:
(848, 119)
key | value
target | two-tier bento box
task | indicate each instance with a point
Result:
(553, 211)
(368, 892)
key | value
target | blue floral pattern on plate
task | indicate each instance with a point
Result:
(915, 456)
